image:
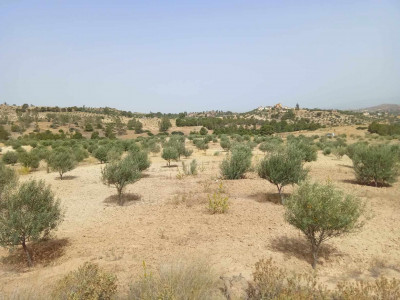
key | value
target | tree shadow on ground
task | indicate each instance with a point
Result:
(355, 182)
(345, 166)
(127, 199)
(301, 249)
(69, 177)
(269, 197)
(43, 253)
(171, 166)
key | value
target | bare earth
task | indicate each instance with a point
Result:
(167, 220)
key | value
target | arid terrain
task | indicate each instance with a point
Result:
(166, 220)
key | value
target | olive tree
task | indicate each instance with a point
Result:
(322, 212)
(375, 163)
(238, 163)
(28, 213)
(169, 154)
(282, 169)
(120, 174)
(62, 160)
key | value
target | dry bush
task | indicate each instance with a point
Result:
(88, 282)
(179, 281)
(272, 282)
(218, 202)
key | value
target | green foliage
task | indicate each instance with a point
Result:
(203, 131)
(375, 163)
(322, 212)
(164, 124)
(201, 144)
(8, 177)
(28, 214)
(384, 129)
(120, 174)
(28, 159)
(89, 282)
(140, 159)
(169, 154)
(271, 144)
(225, 144)
(95, 135)
(238, 163)
(62, 160)
(4, 134)
(304, 146)
(327, 151)
(339, 152)
(282, 169)
(10, 158)
(101, 154)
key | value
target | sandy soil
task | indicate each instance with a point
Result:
(167, 220)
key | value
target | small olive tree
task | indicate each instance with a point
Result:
(170, 153)
(62, 160)
(322, 212)
(283, 169)
(375, 163)
(28, 213)
(238, 163)
(120, 174)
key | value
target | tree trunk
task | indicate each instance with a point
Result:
(315, 250)
(28, 256)
(61, 175)
(280, 194)
(120, 202)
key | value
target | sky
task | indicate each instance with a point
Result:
(174, 56)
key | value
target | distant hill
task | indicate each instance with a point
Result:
(391, 108)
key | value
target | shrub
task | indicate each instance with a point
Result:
(375, 163)
(327, 151)
(238, 163)
(322, 212)
(203, 131)
(10, 158)
(272, 282)
(164, 124)
(62, 160)
(8, 177)
(339, 152)
(28, 214)
(29, 159)
(169, 154)
(101, 154)
(225, 144)
(191, 169)
(87, 283)
(305, 146)
(179, 281)
(140, 159)
(155, 148)
(218, 202)
(4, 134)
(201, 144)
(283, 169)
(120, 174)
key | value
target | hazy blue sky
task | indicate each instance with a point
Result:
(173, 56)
